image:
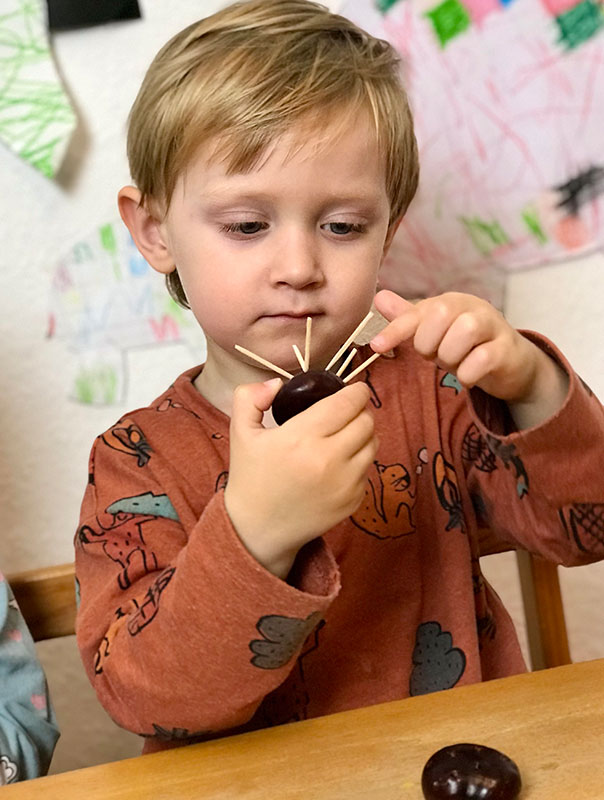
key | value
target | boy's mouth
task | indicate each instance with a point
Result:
(292, 315)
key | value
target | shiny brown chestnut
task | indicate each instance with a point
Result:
(473, 771)
(302, 391)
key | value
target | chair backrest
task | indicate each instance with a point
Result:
(543, 611)
(542, 602)
(47, 600)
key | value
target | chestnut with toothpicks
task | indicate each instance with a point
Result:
(302, 391)
(309, 386)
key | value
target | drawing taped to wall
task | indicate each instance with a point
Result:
(508, 98)
(106, 301)
(36, 117)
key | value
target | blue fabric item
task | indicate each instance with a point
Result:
(28, 728)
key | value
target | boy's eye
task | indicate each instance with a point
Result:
(343, 228)
(247, 228)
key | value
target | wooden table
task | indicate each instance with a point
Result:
(550, 722)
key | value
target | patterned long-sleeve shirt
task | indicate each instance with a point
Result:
(184, 635)
(28, 728)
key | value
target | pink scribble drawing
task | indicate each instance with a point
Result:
(509, 120)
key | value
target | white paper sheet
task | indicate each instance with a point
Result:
(508, 99)
(105, 300)
(36, 117)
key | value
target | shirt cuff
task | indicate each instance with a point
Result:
(313, 582)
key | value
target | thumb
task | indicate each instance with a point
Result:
(251, 400)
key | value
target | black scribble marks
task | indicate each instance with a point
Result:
(584, 524)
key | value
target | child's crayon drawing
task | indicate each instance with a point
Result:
(36, 117)
(106, 300)
(507, 97)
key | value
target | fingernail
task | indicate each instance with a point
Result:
(377, 341)
(273, 383)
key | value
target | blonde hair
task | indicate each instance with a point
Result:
(247, 74)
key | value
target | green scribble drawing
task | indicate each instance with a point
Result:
(97, 386)
(449, 19)
(486, 236)
(108, 240)
(109, 243)
(385, 5)
(580, 23)
(36, 118)
(530, 217)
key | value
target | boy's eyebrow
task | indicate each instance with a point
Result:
(228, 197)
(219, 199)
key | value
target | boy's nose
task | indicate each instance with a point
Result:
(297, 263)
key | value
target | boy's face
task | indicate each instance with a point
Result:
(303, 234)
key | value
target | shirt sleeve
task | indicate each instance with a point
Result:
(540, 489)
(28, 728)
(182, 632)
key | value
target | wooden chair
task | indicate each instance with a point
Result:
(542, 601)
(543, 611)
(47, 600)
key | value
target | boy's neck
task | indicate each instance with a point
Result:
(218, 379)
(219, 395)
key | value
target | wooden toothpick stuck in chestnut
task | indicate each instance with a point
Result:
(309, 386)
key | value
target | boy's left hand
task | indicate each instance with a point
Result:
(469, 337)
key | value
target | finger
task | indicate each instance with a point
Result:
(360, 462)
(251, 400)
(355, 436)
(354, 473)
(437, 315)
(404, 320)
(332, 413)
(432, 328)
(366, 454)
(478, 364)
(468, 331)
(390, 304)
(493, 368)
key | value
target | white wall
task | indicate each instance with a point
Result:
(45, 439)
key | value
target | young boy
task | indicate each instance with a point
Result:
(235, 574)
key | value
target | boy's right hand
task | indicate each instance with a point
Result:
(290, 484)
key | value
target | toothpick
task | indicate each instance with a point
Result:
(263, 361)
(349, 358)
(355, 332)
(366, 363)
(307, 345)
(301, 361)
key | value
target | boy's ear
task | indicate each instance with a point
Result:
(392, 229)
(146, 230)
